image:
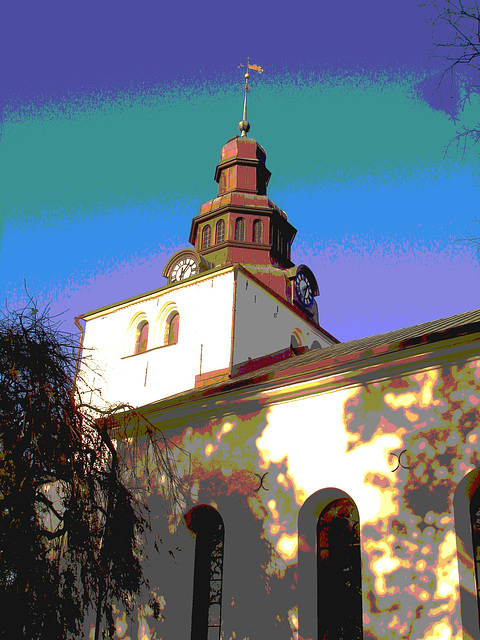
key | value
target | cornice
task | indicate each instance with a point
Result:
(242, 208)
(101, 311)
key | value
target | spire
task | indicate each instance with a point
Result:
(244, 125)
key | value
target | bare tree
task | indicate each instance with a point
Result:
(457, 40)
(71, 527)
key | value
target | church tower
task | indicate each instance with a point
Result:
(242, 226)
(232, 302)
(331, 490)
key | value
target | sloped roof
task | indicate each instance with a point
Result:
(337, 358)
(364, 349)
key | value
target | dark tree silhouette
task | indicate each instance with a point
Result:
(71, 529)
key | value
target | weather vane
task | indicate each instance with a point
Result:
(244, 125)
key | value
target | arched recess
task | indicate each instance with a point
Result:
(257, 232)
(220, 232)
(319, 567)
(240, 230)
(141, 337)
(206, 236)
(466, 504)
(161, 329)
(206, 523)
(297, 341)
(339, 572)
(131, 336)
(172, 327)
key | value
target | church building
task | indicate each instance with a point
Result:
(330, 490)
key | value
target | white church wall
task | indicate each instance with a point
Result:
(204, 342)
(258, 465)
(263, 324)
(352, 440)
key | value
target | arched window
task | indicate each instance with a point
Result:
(240, 230)
(206, 523)
(475, 524)
(141, 337)
(257, 231)
(206, 236)
(171, 328)
(466, 504)
(297, 341)
(339, 572)
(220, 232)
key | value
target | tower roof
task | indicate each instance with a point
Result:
(241, 224)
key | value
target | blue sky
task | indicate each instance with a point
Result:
(112, 120)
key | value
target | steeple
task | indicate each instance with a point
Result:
(242, 225)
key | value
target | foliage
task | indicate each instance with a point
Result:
(70, 529)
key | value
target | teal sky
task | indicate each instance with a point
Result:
(99, 185)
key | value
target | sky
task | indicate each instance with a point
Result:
(113, 114)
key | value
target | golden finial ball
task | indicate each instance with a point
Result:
(244, 126)
(247, 75)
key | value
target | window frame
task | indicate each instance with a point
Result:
(207, 525)
(220, 227)
(206, 237)
(240, 229)
(338, 553)
(140, 345)
(170, 329)
(257, 238)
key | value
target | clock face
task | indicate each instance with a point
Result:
(304, 289)
(184, 268)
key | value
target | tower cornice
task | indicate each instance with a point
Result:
(242, 209)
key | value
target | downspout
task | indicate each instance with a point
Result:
(80, 346)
